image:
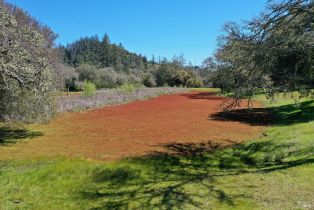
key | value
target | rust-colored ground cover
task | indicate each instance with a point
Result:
(134, 129)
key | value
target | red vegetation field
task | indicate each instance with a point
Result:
(134, 129)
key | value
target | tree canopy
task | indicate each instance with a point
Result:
(101, 53)
(26, 80)
(273, 52)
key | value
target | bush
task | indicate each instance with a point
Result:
(194, 82)
(148, 80)
(179, 77)
(128, 87)
(87, 72)
(122, 79)
(134, 79)
(70, 79)
(108, 78)
(89, 89)
(163, 75)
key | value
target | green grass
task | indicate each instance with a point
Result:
(212, 90)
(272, 172)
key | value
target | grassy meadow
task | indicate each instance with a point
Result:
(274, 171)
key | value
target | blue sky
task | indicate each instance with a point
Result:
(159, 27)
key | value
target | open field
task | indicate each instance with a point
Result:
(133, 129)
(272, 171)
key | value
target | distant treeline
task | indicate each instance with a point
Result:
(102, 53)
(109, 65)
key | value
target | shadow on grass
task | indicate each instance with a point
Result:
(282, 115)
(188, 176)
(12, 135)
(184, 176)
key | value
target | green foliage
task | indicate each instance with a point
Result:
(172, 75)
(89, 89)
(102, 53)
(26, 79)
(129, 87)
(65, 77)
(272, 52)
(87, 72)
(179, 77)
(194, 82)
(163, 75)
(109, 65)
(108, 78)
(210, 90)
(148, 80)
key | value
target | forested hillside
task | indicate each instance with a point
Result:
(102, 53)
(109, 65)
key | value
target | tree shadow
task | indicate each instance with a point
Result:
(159, 180)
(10, 135)
(282, 115)
(184, 174)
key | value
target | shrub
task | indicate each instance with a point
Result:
(79, 86)
(194, 82)
(89, 89)
(87, 72)
(163, 75)
(149, 80)
(127, 87)
(122, 79)
(178, 78)
(70, 78)
(108, 78)
(134, 79)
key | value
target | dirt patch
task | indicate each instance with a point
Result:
(135, 129)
